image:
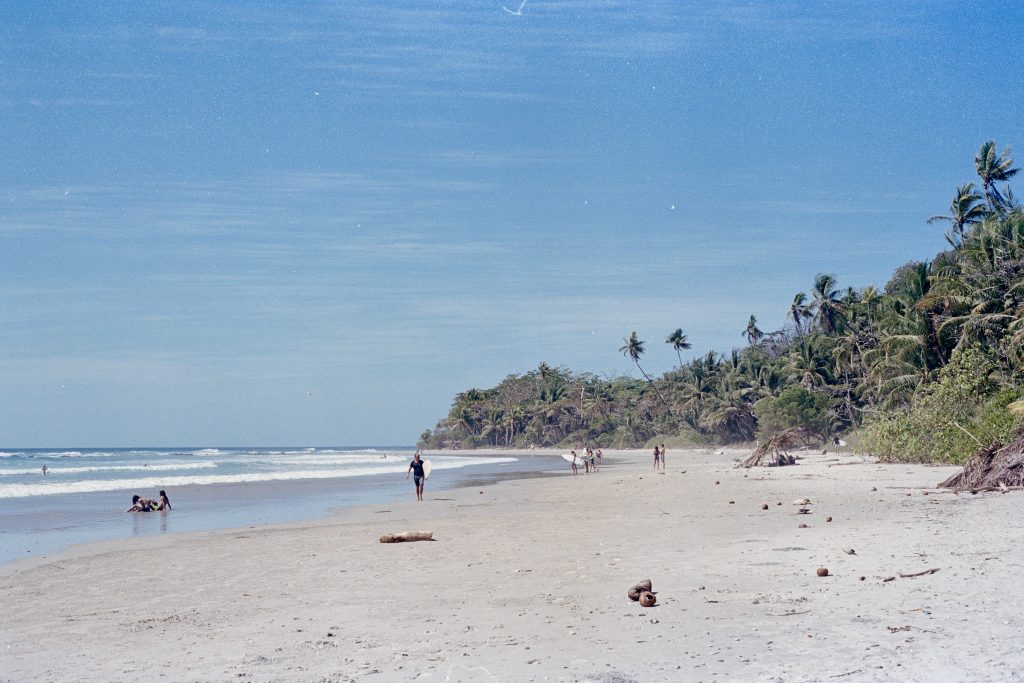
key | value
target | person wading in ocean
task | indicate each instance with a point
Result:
(416, 467)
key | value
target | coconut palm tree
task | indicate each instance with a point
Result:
(799, 311)
(633, 349)
(827, 304)
(752, 333)
(966, 209)
(678, 341)
(993, 168)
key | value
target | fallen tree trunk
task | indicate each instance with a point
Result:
(408, 537)
(993, 468)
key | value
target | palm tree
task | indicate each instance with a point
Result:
(799, 311)
(827, 305)
(752, 333)
(678, 341)
(633, 349)
(993, 167)
(965, 210)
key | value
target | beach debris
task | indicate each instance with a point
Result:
(639, 588)
(789, 614)
(897, 629)
(804, 511)
(994, 468)
(849, 551)
(764, 506)
(802, 526)
(863, 577)
(802, 501)
(828, 519)
(732, 502)
(779, 503)
(822, 571)
(774, 452)
(717, 483)
(888, 579)
(921, 573)
(647, 599)
(408, 537)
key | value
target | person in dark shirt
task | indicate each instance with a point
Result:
(416, 467)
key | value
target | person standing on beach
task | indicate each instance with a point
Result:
(574, 470)
(416, 467)
(44, 470)
(663, 451)
(657, 454)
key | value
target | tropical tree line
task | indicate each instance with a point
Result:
(925, 368)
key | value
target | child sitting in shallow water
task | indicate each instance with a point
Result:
(140, 504)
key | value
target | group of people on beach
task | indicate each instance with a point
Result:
(590, 460)
(140, 504)
(659, 457)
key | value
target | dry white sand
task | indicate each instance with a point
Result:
(527, 580)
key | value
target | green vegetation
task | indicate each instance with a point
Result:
(923, 369)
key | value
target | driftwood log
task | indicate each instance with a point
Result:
(408, 537)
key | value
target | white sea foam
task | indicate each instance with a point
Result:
(336, 460)
(94, 485)
(208, 451)
(166, 467)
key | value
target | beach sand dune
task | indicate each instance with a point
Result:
(527, 580)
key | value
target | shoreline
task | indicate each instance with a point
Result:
(227, 506)
(527, 581)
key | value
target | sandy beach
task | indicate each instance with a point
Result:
(527, 580)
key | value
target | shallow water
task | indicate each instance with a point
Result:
(40, 524)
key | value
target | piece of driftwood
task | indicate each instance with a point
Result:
(408, 537)
(926, 571)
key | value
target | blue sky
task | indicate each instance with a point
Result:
(314, 223)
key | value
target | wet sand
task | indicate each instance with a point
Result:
(527, 580)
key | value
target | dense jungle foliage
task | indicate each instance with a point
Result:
(927, 368)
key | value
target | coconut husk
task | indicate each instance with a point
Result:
(992, 468)
(774, 452)
(647, 599)
(642, 587)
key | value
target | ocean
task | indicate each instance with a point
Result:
(85, 492)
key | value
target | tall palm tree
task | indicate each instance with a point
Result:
(966, 209)
(752, 333)
(993, 167)
(633, 349)
(799, 311)
(827, 304)
(678, 341)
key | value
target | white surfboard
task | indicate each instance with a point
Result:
(426, 469)
(568, 458)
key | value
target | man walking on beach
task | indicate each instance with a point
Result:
(416, 467)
